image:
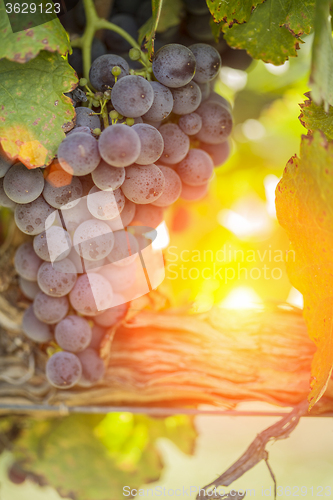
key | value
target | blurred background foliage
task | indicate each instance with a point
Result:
(94, 456)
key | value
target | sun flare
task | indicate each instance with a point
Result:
(242, 297)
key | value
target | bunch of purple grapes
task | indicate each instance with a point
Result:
(162, 143)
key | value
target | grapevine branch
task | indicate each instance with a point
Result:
(171, 359)
(257, 449)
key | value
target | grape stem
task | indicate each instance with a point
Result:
(104, 114)
(95, 23)
(105, 117)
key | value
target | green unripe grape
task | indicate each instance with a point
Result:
(107, 94)
(83, 82)
(120, 117)
(130, 121)
(95, 103)
(99, 96)
(114, 114)
(97, 131)
(134, 54)
(116, 71)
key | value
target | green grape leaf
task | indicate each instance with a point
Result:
(322, 56)
(300, 17)
(238, 11)
(34, 111)
(216, 28)
(263, 36)
(314, 117)
(95, 456)
(304, 203)
(268, 29)
(147, 31)
(25, 45)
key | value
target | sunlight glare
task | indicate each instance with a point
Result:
(242, 297)
(251, 222)
(162, 239)
(234, 222)
(270, 183)
(233, 78)
(253, 129)
(277, 70)
(295, 298)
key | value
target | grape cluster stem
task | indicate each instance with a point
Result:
(95, 23)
